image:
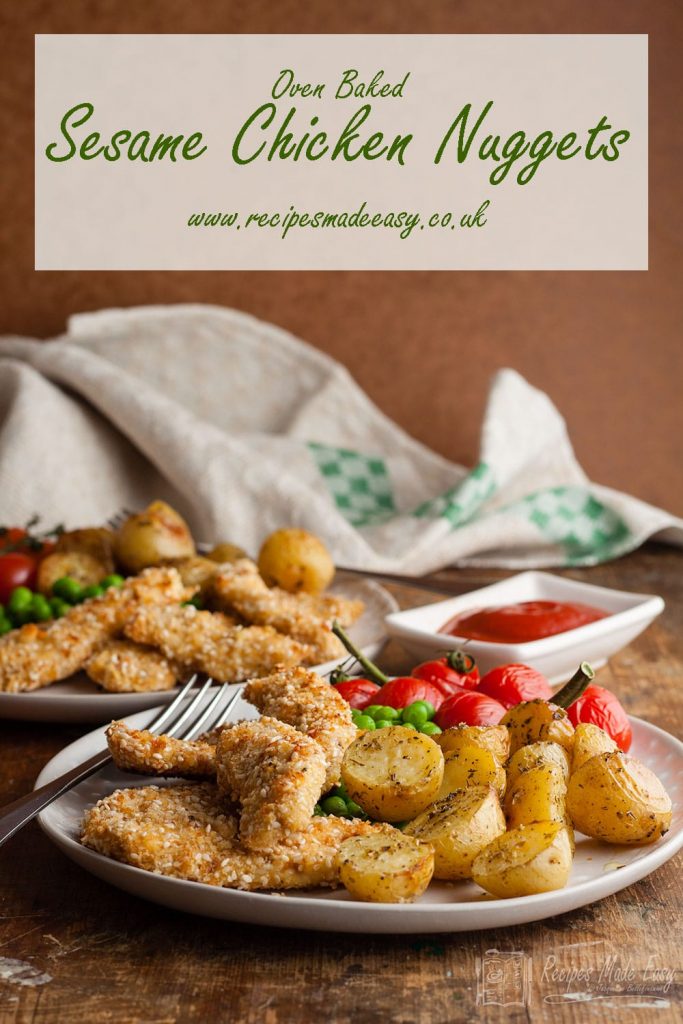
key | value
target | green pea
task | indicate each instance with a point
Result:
(415, 714)
(382, 723)
(390, 713)
(92, 591)
(408, 725)
(5, 624)
(334, 805)
(364, 722)
(430, 729)
(113, 580)
(317, 811)
(20, 600)
(354, 809)
(68, 589)
(40, 608)
(340, 790)
(372, 710)
(59, 607)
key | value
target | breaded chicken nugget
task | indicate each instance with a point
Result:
(240, 588)
(210, 642)
(275, 773)
(305, 700)
(142, 752)
(122, 666)
(186, 832)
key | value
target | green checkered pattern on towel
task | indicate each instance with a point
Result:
(359, 484)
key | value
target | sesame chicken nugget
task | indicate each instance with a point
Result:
(144, 753)
(303, 699)
(121, 666)
(239, 588)
(211, 642)
(275, 773)
(186, 832)
(35, 656)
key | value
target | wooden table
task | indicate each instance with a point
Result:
(111, 957)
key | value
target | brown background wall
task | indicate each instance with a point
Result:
(606, 346)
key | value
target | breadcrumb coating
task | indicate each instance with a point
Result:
(186, 832)
(275, 773)
(304, 700)
(239, 588)
(142, 752)
(210, 642)
(37, 655)
(121, 666)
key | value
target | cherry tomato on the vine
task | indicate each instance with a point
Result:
(512, 684)
(16, 570)
(401, 692)
(470, 707)
(450, 673)
(358, 693)
(600, 707)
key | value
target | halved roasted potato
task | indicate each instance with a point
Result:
(589, 741)
(539, 794)
(535, 720)
(458, 827)
(383, 868)
(492, 737)
(156, 535)
(393, 773)
(527, 860)
(534, 756)
(77, 564)
(618, 799)
(471, 766)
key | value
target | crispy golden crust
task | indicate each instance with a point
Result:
(121, 666)
(301, 698)
(35, 656)
(275, 773)
(331, 607)
(210, 642)
(187, 832)
(240, 588)
(140, 751)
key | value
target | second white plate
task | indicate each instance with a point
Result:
(79, 700)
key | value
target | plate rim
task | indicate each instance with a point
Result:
(487, 908)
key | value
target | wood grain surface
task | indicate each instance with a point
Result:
(113, 958)
(605, 346)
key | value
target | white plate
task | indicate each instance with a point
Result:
(599, 870)
(557, 657)
(79, 700)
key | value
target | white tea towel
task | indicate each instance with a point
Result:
(244, 429)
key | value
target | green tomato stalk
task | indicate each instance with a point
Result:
(368, 666)
(572, 690)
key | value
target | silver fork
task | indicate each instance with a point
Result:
(198, 716)
(429, 582)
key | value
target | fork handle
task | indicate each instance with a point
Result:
(15, 815)
(429, 582)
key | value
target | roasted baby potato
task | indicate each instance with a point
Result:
(539, 794)
(459, 827)
(196, 572)
(530, 859)
(96, 541)
(296, 560)
(534, 756)
(618, 799)
(384, 868)
(589, 741)
(393, 773)
(471, 766)
(151, 537)
(495, 738)
(77, 564)
(226, 552)
(535, 720)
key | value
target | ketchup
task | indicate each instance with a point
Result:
(519, 623)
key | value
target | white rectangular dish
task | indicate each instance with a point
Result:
(557, 657)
